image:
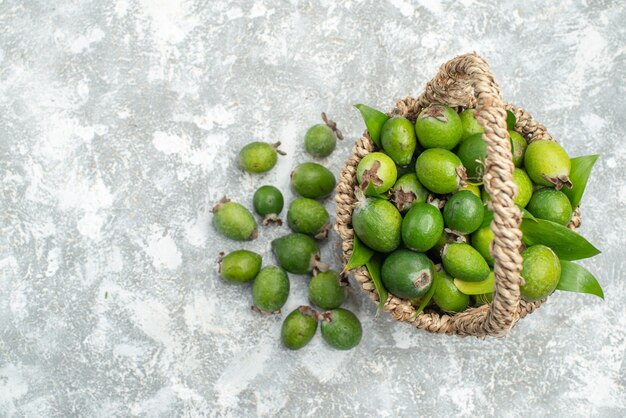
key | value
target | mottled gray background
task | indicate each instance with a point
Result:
(119, 126)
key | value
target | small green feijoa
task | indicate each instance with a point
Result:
(524, 187)
(239, 266)
(308, 216)
(312, 180)
(299, 328)
(398, 139)
(296, 253)
(438, 126)
(326, 290)
(377, 223)
(341, 329)
(541, 271)
(463, 212)
(407, 192)
(407, 274)
(376, 173)
(447, 296)
(481, 241)
(440, 171)
(472, 153)
(270, 289)
(550, 204)
(518, 148)
(470, 124)
(422, 227)
(234, 221)
(268, 202)
(259, 157)
(463, 262)
(547, 164)
(320, 140)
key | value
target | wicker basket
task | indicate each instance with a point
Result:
(464, 81)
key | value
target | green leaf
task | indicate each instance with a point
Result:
(527, 215)
(373, 267)
(428, 296)
(360, 255)
(476, 288)
(567, 244)
(511, 120)
(575, 278)
(374, 120)
(579, 174)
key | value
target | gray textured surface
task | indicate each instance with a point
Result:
(119, 125)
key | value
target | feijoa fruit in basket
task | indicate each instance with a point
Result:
(447, 296)
(296, 253)
(268, 202)
(308, 216)
(541, 271)
(234, 221)
(377, 223)
(407, 274)
(240, 266)
(326, 290)
(481, 241)
(312, 180)
(438, 126)
(407, 192)
(470, 124)
(472, 153)
(376, 173)
(299, 328)
(341, 329)
(398, 139)
(518, 148)
(440, 171)
(550, 204)
(258, 157)
(547, 164)
(422, 227)
(320, 140)
(524, 187)
(270, 289)
(463, 212)
(463, 262)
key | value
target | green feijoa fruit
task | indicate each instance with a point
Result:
(308, 216)
(550, 204)
(447, 296)
(296, 253)
(470, 124)
(472, 153)
(547, 164)
(541, 271)
(341, 329)
(463, 262)
(268, 202)
(472, 187)
(524, 187)
(440, 171)
(422, 227)
(480, 300)
(407, 192)
(270, 289)
(234, 221)
(299, 328)
(376, 173)
(326, 290)
(463, 212)
(258, 157)
(312, 180)
(398, 139)
(438, 126)
(240, 266)
(518, 148)
(320, 140)
(481, 241)
(377, 223)
(407, 274)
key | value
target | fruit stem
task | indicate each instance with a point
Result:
(221, 203)
(279, 151)
(332, 125)
(323, 234)
(272, 218)
(307, 310)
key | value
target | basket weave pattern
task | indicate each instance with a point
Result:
(464, 81)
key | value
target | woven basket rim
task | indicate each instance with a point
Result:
(473, 321)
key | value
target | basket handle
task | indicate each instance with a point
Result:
(466, 80)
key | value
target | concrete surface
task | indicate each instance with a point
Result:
(119, 126)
